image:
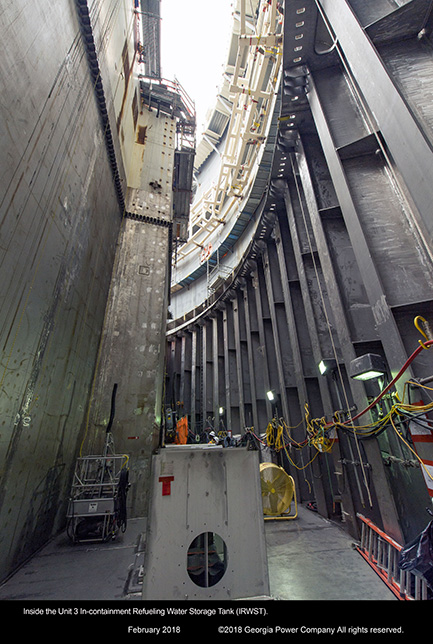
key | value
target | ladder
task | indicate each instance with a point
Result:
(382, 553)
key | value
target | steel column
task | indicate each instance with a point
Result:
(239, 366)
(408, 146)
(250, 350)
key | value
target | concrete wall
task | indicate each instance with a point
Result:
(132, 355)
(59, 223)
(132, 352)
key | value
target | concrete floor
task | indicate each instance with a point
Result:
(309, 558)
(86, 571)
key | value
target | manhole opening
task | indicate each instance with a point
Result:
(207, 559)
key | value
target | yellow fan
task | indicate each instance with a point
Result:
(278, 492)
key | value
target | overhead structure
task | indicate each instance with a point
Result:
(235, 136)
(150, 50)
(290, 249)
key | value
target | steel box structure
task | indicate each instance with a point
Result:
(196, 490)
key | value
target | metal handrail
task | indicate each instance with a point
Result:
(245, 136)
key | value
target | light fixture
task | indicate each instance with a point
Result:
(221, 411)
(327, 365)
(271, 395)
(367, 367)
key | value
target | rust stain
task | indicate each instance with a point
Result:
(141, 134)
(128, 73)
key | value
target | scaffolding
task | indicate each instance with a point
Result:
(96, 508)
(216, 275)
(97, 501)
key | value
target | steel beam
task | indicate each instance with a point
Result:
(409, 147)
(284, 410)
(386, 327)
(216, 403)
(248, 330)
(261, 331)
(239, 365)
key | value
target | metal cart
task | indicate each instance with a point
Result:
(97, 503)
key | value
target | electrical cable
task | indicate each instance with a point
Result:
(316, 427)
(277, 436)
(411, 450)
(418, 384)
(122, 491)
(411, 358)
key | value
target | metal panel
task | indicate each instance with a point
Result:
(151, 28)
(207, 490)
(409, 64)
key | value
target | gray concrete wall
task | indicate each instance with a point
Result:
(132, 355)
(59, 222)
(133, 349)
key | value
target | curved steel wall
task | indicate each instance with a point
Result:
(338, 267)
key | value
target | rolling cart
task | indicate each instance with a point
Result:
(97, 503)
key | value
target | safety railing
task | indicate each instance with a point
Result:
(382, 553)
(253, 87)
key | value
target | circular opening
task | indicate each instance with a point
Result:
(207, 559)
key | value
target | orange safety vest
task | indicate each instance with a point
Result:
(181, 431)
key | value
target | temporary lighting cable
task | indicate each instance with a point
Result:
(293, 442)
(411, 450)
(426, 345)
(407, 411)
(316, 428)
